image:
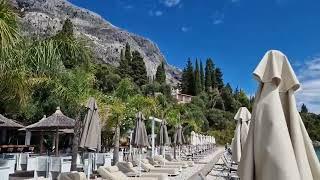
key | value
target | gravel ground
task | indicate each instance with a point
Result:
(219, 174)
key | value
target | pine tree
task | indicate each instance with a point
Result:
(208, 75)
(124, 67)
(139, 72)
(161, 74)
(219, 79)
(197, 80)
(202, 76)
(304, 109)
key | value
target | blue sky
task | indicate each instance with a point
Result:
(235, 33)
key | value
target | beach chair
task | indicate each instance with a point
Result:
(128, 169)
(163, 161)
(171, 159)
(113, 173)
(157, 164)
(146, 166)
(72, 176)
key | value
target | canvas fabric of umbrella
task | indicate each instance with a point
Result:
(278, 145)
(139, 135)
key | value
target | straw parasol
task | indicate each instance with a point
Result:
(91, 133)
(243, 117)
(139, 136)
(54, 122)
(278, 145)
(162, 136)
(9, 123)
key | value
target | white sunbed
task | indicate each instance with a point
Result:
(149, 168)
(113, 173)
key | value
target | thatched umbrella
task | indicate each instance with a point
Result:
(54, 122)
(6, 124)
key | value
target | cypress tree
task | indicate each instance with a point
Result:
(197, 80)
(184, 82)
(208, 75)
(190, 77)
(201, 76)
(67, 28)
(124, 67)
(161, 74)
(304, 109)
(139, 72)
(219, 79)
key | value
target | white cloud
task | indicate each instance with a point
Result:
(158, 13)
(155, 13)
(217, 18)
(185, 29)
(309, 77)
(170, 3)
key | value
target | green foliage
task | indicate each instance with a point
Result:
(229, 102)
(139, 72)
(161, 74)
(106, 80)
(312, 124)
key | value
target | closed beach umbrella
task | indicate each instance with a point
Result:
(139, 135)
(178, 139)
(243, 117)
(278, 146)
(178, 136)
(162, 136)
(91, 133)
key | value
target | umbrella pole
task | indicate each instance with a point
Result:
(57, 142)
(140, 162)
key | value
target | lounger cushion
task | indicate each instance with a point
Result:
(105, 174)
(112, 169)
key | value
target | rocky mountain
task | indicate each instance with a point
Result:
(46, 17)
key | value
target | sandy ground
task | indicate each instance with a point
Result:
(220, 174)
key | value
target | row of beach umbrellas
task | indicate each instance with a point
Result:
(199, 139)
(273, 143)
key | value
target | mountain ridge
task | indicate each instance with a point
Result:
(46, 17)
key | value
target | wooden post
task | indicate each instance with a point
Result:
(41, 142)
(57, 142)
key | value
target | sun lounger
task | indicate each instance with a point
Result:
(113, 173)
(163, 161)
(157, 164)
(128, 169)
(72, 176)
(149, 168)
(170, 158)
